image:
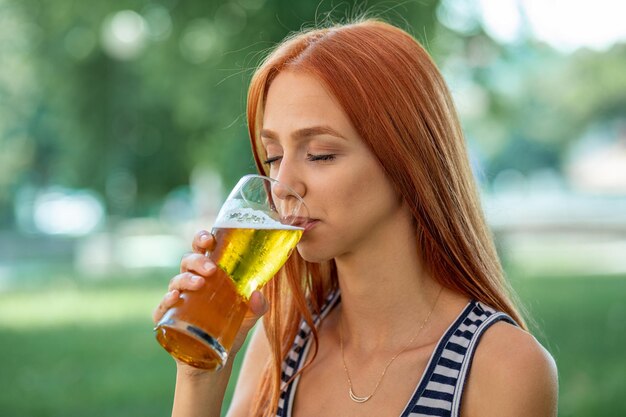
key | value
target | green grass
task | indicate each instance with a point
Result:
(75, 348)
(581, 321)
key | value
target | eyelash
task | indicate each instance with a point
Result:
(309, 157)
(270, 161)
(323, 157)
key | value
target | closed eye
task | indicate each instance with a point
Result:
(323, 157)
(269, 161)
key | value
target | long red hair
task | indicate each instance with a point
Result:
(399, 104)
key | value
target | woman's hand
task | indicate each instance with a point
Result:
(195, 270)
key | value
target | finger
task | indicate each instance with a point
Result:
(203, 242)
(258, 304)
(186, 281)
(197, 263)
(166, 303)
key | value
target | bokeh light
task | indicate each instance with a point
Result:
(124, 34)
(64, 212)
(200, 41)
(80, 42)
(159, 22)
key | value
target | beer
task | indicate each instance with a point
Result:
(256, 229)
(251, 257)
(201, 327)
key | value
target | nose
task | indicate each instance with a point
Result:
(289, 200)
(289, 181)
(289, 203)
(284, 192)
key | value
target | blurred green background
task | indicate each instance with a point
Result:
(123, 122)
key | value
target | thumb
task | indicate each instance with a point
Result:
(258, 303)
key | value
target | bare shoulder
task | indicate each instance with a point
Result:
(255, 359)
(512, 375)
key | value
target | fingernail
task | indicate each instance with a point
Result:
(204, 237)
(208, 267)
(195, 279)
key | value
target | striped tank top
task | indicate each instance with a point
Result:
(440, 389)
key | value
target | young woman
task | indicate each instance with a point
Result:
(395, 302)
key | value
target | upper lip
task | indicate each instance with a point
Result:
(299, 221)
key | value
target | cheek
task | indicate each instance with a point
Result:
(353, 201)
(366, 188)
(345, 193)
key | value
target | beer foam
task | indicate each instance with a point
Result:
(247, 218)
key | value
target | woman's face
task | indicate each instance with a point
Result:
(312, 146)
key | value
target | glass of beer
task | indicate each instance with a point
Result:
(257, 228)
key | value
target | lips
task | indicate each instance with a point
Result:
(309, 224)
(304, 222)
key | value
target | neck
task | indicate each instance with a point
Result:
(385, 291)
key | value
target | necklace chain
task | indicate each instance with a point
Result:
(351, 393)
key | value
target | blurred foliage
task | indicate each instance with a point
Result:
(525, 104)
(133, 123)
(133, 129)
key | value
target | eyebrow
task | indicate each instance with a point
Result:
(306, 132)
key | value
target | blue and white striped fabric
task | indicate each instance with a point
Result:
(440, 389)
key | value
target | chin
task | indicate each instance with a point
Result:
(310, 255)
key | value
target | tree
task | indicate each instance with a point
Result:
(85, 112)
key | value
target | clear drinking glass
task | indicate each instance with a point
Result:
(256, 230)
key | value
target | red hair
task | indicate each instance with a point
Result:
(399, 104)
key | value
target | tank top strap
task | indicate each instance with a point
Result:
(293, 362)
(440, 390)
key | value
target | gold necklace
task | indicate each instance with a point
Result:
(351, 393)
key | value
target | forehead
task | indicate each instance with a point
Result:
(297, 100)
(292, 86)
